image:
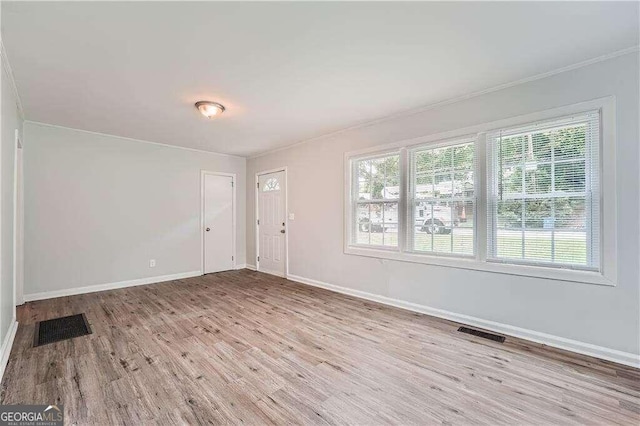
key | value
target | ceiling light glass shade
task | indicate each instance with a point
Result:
(209, 109)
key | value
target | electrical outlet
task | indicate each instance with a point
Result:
(152, 263)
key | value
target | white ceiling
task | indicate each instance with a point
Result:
(285, 71)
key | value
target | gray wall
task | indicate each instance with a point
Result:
(98, 207)
(11, 121)
(598, 315)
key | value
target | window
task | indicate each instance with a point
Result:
(376, 182)
(443, 198)
(271, 184)
(532, 195)
(543, 193)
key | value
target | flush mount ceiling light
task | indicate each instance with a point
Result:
(209, 109)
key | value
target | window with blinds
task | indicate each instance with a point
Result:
(376, 185)
(442, 196)
(543, 193)
(531, 195)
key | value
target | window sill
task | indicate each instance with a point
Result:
(570, 275)
(377, 249)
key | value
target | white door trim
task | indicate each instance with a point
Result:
(203, 173)
(18, 293)
(286, 213)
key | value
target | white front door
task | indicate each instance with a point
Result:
(271, 223)
(218, 223)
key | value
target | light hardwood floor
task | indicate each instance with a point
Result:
(245, 347)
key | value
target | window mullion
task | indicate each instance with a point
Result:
(481, 197)
(353, 196)
(523, 211)
(451, 206)
(384, 194)
(553, 202)
(403, 200)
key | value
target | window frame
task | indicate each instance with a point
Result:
(589, 158)
(607, 274)
(353, 201)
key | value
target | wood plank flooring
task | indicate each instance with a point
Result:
(245, 347)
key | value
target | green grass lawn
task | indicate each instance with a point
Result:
(570, 247)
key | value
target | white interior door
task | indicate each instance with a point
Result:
(272, 223)
(218, 223)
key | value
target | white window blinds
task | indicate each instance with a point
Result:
(442, 201)
(543, 193)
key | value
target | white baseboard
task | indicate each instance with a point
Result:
(109, 286)
(5, 350)
(241, 266)
(254, 268)
(626, 358)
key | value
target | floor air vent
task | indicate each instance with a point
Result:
(482, 334)
(57, 329)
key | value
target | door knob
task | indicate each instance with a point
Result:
(282, 231)
(208, 229)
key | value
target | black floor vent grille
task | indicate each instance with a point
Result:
(482, 334)
(57, 329)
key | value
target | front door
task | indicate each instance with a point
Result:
(271, 223)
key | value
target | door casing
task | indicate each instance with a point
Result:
(203, 173)
(286, 210)
(18, 224)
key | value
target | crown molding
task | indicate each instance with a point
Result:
(39, 123)
(401, 114)
(7, 67)
(418, 110)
